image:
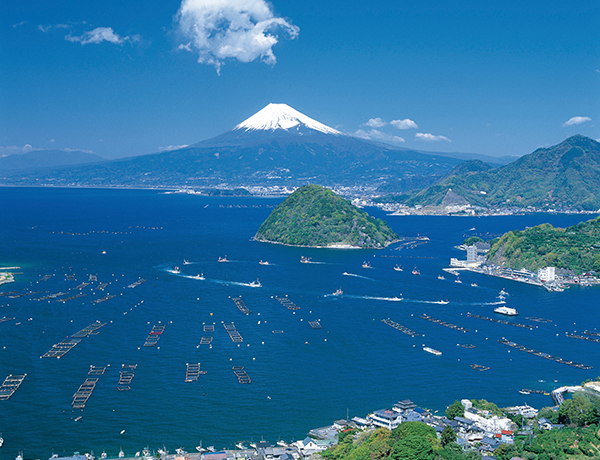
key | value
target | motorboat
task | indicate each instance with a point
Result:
(416, 271)
(223, 259)
(121, 453)
(441, 277)
(240, 446)
(305, 260)
(338, 292)
(398, 268)
(255, 283)
(473, 284)
(457, 280)
(263, 262)
(366, 264)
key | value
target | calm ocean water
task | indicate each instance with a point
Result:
(301, 378)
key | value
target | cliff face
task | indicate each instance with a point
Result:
(315, 216)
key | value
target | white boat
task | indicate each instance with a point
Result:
(441, 277)
(366, 264)
(264, 262)
(282, 443)
(180, 451)
(103, 455)
(443, 302)
(255, 283)
(506, 311)
(199, 448)
(223, 259)
(1, 441)
(20, 456)
(239, 445)
(473, 284)
(121, 453)
(338, 292)
(198, 277)
(432, 351)
(398, 268)
(176, 270)
(457, 280)
(305, 260)
(503, 292)
(186, 262)
(416, 271)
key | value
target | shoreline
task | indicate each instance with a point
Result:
(331, 246)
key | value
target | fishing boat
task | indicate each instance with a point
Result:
(338, 292)
(263, 262)
(416, 271)
(103, 454)
(432, 351)
(441, 277)
(199, 447)
(443, 302)
(305, 260)
(282, 443)
(366, 264)
(1, 441)
(398, 268)
(457, 280)
(186, 262)
(255, 283)
(176, 270)
(20, 456)
(239, 445)
(503, 293)
(223, 259)
(473, 284)
(506, 311)
(525, 392)
(198, 277)
(121, 453)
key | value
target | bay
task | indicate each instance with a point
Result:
(302, 378)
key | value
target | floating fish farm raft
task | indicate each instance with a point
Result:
(444, 323)
(500, 321)
(400, 327)
(10, 385)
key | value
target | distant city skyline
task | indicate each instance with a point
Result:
(123, 79)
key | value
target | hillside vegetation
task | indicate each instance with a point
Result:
(315, 216)
(565, 175)
(575, 248)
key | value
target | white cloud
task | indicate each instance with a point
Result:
(56, 26)
(376, 135)
(15, 149)
(428, 137)
(576, 121)
(102, 34)
(168, 148)
(407, 123)
(375, 123)
(18, 24)
(231, 29)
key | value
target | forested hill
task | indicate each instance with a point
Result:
(575, 248)
(315, 216)
(566, 175)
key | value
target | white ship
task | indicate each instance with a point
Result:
(432, 351)
(506, 311)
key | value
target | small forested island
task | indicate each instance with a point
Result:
(315, 216)
(576, 248)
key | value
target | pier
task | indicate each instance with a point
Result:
(589, 338)
(287, 303)
(84, 392)
(443, 323)
(137, 283)
(192, 372)
(97, 370)
(104, 299)
(60, 349)
(89, 330)
(233, 333)
(501, 321)
(207, 338)
(126, 375)
(315, 325)
(241, 374)
(538, 320)
(540, 354)
(154, 335)
(400, 327)
(241, 305)
(10, 385)
(479, 367)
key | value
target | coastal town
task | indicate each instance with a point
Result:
(480, 429)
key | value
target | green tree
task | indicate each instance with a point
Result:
(456, 409)
(413, 448)
(414, 429)
(448, 436)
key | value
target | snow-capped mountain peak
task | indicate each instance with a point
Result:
(282, 116)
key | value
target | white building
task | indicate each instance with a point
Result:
(547, 274)
(385, 418)
(471, 253)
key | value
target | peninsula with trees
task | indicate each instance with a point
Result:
(314, 216)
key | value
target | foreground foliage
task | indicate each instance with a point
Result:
(575, 248)
(315, 216)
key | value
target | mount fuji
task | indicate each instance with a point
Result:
(277, 146)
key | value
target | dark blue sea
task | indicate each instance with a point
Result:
(302, 377)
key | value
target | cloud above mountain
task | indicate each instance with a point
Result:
(101, 34)
(242, 30)
(428, 137)
(407, 123)
(576, 121)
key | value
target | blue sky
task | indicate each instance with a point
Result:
(125, 77)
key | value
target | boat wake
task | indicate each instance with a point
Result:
(194, 277)
(357, 276)
(237, 283)
(438, 302)
(387, 299)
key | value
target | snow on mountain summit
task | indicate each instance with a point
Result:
(282, 116)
